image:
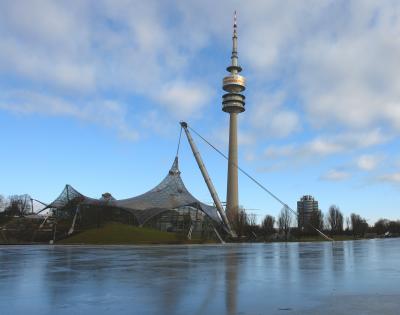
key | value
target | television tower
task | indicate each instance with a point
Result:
(233, 103)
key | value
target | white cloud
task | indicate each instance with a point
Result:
(183, 99)
(392, 113)
(340, 65)
(280, 151)
(43, 42)
(335, 175)
(249, 156)
(269, 117)
(329, 145)
(322, 146)
(155, 122)
(390, 178)
(284, 123)
(368, 162)
(345, 142)
(108, 113)
(65, 52)
(341, 62)
(244, 138)
(348, 70)
(126, 47)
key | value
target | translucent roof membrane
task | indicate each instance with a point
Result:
(171, 193)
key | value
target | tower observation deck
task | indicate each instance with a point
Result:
(233, 103)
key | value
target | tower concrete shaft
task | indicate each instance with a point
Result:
(232, 195)
(233, 104)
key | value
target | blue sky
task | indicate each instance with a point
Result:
(91, 93)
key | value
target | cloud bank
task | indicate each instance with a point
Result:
(323, 76)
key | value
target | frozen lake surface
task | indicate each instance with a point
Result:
(355, 277)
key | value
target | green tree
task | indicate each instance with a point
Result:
(394, 227)
(358, 224)
(381, 226)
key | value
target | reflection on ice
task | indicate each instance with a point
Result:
(215, 279)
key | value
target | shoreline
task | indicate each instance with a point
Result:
(193, 243)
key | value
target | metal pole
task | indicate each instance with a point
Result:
(207, 179)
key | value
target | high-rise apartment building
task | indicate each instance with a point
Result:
(305, 207)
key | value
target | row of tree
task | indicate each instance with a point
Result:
(15, 205)
(246, 224)
(332, 223)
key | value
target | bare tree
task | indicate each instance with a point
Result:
(335, 220)
(2, 203)
(267, 225)
(18, 205)
(2, 207)
(252, 228)
(252, 219)
(241, 222)
(317, 221)
(284, 222)
(348, 224)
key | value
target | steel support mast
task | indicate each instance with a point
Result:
(207, 179)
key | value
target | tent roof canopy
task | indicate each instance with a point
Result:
(171, 193)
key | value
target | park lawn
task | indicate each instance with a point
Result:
(117, 233)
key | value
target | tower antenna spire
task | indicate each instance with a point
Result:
(234, 56)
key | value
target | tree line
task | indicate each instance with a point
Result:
(15, 205)
(287, 225)
(245, 224)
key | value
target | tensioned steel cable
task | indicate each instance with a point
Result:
(179, 142)
(177, 152)
(258, 183)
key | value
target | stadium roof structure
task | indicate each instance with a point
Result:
(170, 194)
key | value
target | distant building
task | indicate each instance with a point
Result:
(305, 207)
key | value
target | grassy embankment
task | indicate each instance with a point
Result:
(117, 233)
